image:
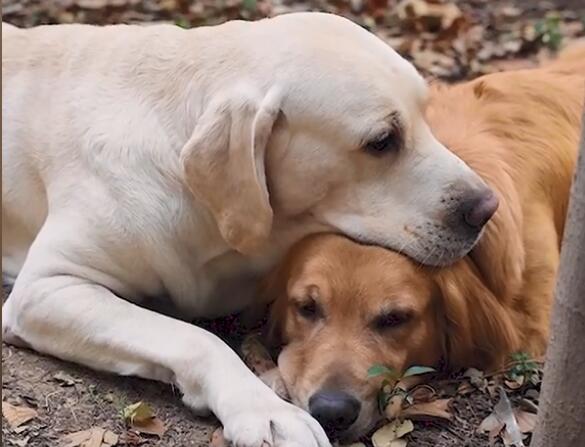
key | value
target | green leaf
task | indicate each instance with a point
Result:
(418, 370)
(380, 370)
(183, 23)
(520, 356)
(138, 412)
(250, 5)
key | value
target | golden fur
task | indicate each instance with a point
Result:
(341, 307)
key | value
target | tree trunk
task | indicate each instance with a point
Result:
(561, 419)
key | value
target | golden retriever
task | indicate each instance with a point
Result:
(342, 307)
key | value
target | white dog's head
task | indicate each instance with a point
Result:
(314, 118)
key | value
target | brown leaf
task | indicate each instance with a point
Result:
(64, 379)
(435, 409)
(77, 438)
(389, 435)
(152, 426)
(423, 393)
(515, 383)
(96, 438)
(110, 438)
(93, 437)
(526, 420)
(16, 416)
(492, 425)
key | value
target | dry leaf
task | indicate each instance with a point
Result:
(152, 426)
(110, 438)
(138, 412)
(392, 432)
(504, 413)
(77, 438)
(20, 442)
(526, 420)
(435, 409)
(64, 379)
(423, 393)
(16, 416)
(94, 437)
(492, 425)
(503, 417)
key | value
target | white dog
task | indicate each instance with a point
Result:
(155, 163)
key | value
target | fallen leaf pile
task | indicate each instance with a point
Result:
(509, 423)
(94, 437)
(447, 39)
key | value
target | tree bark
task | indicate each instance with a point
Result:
(561, 419)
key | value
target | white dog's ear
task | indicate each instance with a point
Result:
(223, 164)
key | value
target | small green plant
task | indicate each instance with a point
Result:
(183, 23)
(249, 5)
(549, 32)
(523, 369)
(391, 377)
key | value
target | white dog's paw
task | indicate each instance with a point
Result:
(276, 424)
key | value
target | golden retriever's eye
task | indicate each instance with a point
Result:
(392, 319)
(388, 141)
(309, 310)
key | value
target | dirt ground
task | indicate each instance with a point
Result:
(89, 399)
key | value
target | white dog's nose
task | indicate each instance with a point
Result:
(478, 210)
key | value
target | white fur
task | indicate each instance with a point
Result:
(96, 204)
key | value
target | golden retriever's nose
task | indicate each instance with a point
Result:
(335, 410)
(479, 209)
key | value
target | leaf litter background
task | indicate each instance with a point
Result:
(47, 402)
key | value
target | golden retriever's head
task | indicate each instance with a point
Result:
(342, 307)
(318, 126)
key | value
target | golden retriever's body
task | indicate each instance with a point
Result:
(520, 132)
(342, 307)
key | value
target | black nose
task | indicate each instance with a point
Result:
(335, 410)
(479, 209)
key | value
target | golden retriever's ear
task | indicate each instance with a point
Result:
(480, 330)
(223, 164)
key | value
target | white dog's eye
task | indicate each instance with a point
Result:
(388, 141)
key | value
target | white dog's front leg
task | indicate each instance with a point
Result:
(74, 319)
